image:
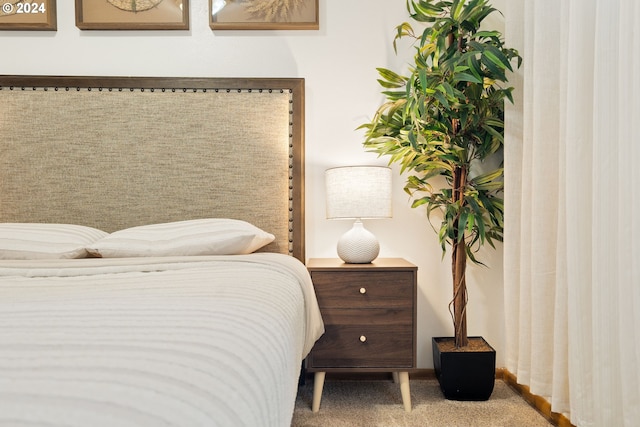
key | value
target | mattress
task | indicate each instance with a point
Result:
(178, 341)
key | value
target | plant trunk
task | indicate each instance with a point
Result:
(458, 265)
(460, 294)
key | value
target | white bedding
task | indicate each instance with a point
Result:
(181, 341)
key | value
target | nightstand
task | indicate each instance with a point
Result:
(369, 312)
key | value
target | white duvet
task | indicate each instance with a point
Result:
(189, 341)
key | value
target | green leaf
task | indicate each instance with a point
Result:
(471, 220)
(391, 76)
(422, 74)
(508, 94)
(466, 77)
(497, 57)
(442, 237)
(425, 8)
(496, 71)
(494, 133)
(472, 11)
(493, 122)
(419, 202)
(402, 30)
(413, 140)
(388, 85)
(488, 34)
(441, 98)
(456, 8)
(481, 228)
(491, 186)
(474, 66)
(488, 177)
(462, 225)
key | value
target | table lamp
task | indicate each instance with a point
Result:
(358, 192)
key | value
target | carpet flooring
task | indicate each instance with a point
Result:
(349, 403)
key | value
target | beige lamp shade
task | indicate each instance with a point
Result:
(357, 192)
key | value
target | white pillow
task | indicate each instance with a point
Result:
(213, 236)
(46, 241)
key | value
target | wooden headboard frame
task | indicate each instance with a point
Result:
(114, 152)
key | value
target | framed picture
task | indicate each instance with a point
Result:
(28, 15)
(132, 14)
(263, 14)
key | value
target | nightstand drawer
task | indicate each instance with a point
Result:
(402, 316)
(363, 346)
(364, 289)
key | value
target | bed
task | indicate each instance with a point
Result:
(152, 251)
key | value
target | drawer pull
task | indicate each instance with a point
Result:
(363, 291)
(363, 338)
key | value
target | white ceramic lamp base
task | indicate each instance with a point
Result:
(358, 245)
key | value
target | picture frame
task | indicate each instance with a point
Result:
(28, 15)
(263, 14)
(132, 14)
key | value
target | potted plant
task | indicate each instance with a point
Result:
(442, 123)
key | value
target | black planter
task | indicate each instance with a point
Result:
(464, 375)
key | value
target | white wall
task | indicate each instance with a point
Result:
(338, 63)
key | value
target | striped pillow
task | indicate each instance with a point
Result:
(46, 241)
(211, 236)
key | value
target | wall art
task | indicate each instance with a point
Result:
(28, 15)
(132, 14)
(263, 14)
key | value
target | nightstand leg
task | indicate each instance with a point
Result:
(318, 384)
(395, 377)
(405, 390)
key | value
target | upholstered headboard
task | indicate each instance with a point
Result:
(114, 152)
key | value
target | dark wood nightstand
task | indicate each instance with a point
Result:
(369, 311)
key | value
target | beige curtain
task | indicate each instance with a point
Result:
(572, 226)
